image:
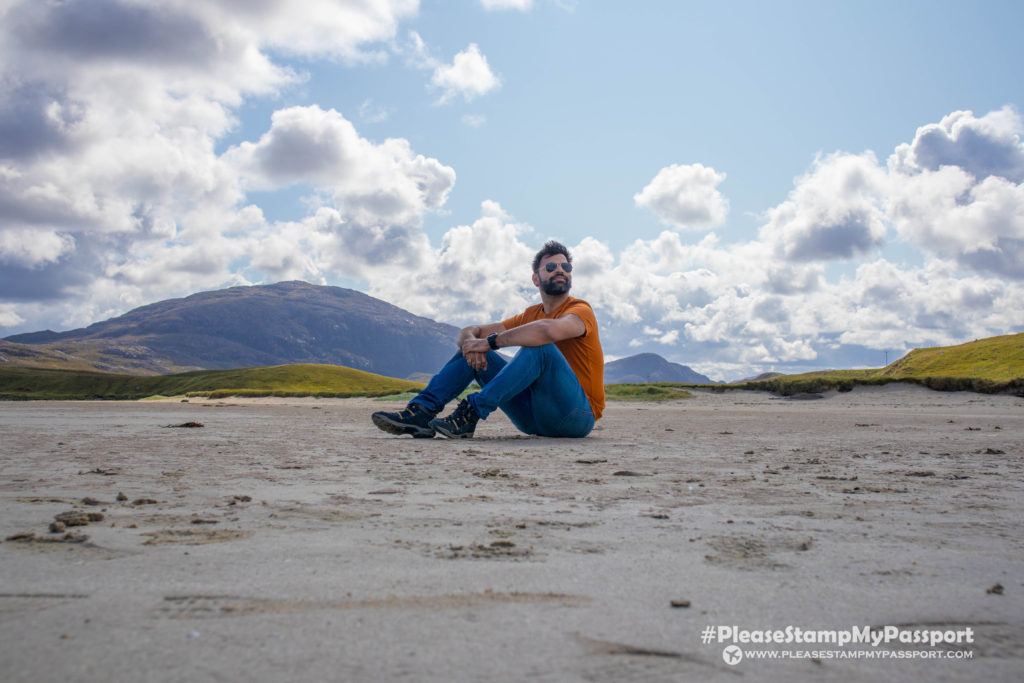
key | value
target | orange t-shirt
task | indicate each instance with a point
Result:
(583, 353)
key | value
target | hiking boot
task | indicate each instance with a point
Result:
(414, 420)
(460, 424)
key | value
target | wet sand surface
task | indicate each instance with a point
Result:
(292, 540)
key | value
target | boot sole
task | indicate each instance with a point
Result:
(448, 435)
(386, 424)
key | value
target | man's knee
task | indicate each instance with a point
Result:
(544, 350)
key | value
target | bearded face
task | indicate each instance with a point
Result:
(558, 281)
(556, 286)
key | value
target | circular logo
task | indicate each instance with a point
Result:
(732, 655)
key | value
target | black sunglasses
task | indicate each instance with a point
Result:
(550, 267)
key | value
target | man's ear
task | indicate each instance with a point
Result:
(536, 280)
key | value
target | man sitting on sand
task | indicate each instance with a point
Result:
(553, 387)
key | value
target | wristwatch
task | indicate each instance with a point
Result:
(492, 339)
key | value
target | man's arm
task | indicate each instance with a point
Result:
(537, 333)
(477, 332)
(472, 341)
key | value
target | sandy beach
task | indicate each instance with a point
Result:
(291, 540)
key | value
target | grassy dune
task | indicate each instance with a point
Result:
(991, 365)
(645, 392)
(995, 359)
(282, 380)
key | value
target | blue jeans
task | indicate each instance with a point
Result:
(537, 390)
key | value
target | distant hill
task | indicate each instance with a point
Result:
(263, 325)
(993, 359)
(650, 367)
(990, 365)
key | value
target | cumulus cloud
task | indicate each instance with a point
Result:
(958, 191)
(469, 75)
(686, 197)
(110, 187)
(369, 183)
(33, 248)
(375, 195)
(480, 273)
(329, 28)
(989, 146)
(9, 317)
(834, 212)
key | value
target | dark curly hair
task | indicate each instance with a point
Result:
(551, 247)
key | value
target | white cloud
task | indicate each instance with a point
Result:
(989, 146)
(370, 184)
(376, 194)
(958, 191)
(313, 27)
(474, 120)
(9, 317)
(669, 338)
(469, 75)
(834, 212)
(33, 248)
(111, 192)
(686, 197)
(481, 273)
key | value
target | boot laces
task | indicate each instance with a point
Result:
(463, 413)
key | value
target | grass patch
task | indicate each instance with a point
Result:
(326, 381)
(657, 391)
(999, 360)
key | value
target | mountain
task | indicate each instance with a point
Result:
(283, 323)
(650, 367)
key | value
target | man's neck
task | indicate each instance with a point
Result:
(552, 302)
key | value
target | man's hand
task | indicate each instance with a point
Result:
(472, 342)
(477, 361)
(475, 352)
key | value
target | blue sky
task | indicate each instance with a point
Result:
(746, 186)
(610, 92)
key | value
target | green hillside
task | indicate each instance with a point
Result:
(991, 365)
(281, 380)
(995, 359)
